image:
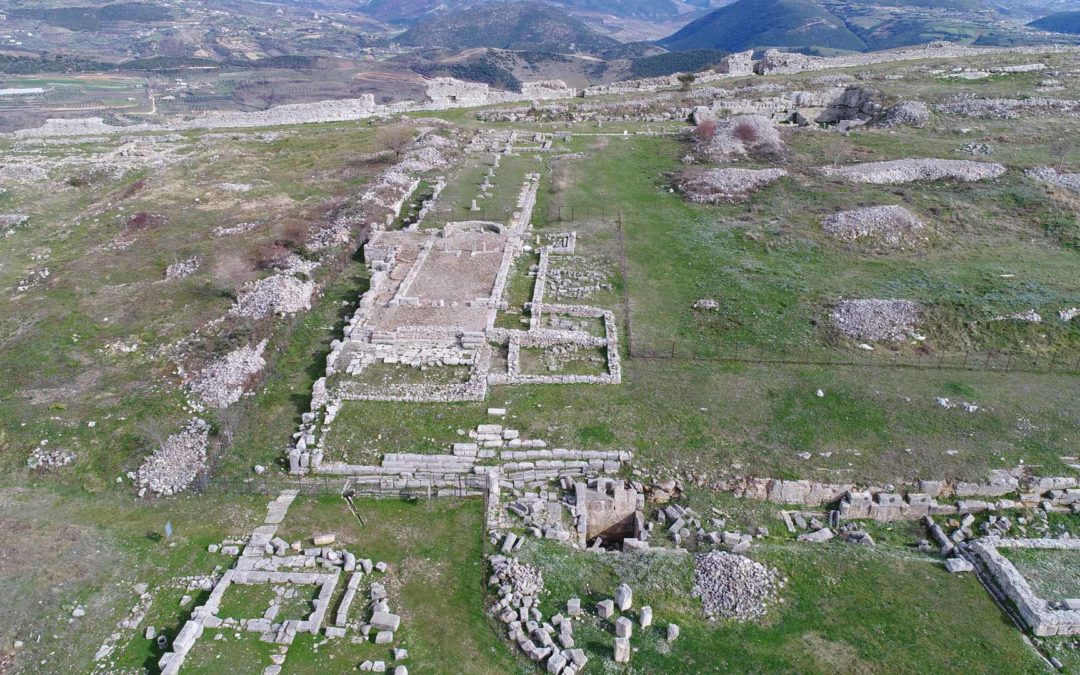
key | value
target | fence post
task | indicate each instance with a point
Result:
(1008, 362)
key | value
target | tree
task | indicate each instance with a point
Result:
(1060, 150)
(686, 79)
(396, 139)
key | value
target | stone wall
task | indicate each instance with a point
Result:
(1036, 612)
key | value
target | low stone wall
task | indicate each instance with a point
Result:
(887, 504)
(1035, 611)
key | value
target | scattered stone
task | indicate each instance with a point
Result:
(183, 268)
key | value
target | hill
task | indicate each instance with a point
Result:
(749, 24)
(1061, 22)
(508, 25)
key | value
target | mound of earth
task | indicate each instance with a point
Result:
(713, 186)
(733, 586)
(877, 320)
(899, 171)
(892, 226)
(739, 136)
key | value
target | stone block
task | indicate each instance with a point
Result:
(605, 608)
(672, 632)
(385, 621)
(622, 650)
(623, 627)
(646, 616)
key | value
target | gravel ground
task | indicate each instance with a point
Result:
(893, 226)
(873, 319)
(733, 586)
(726, 185)
(909, 170)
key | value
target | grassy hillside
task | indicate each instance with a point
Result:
(508, 25)
(1061, 22)
(766, 23)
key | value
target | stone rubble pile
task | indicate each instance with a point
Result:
(907, 114)
(978, 149)
(893, 226)
(738, 136)
(1045, 174)
(876, 319)
(278, 294)
(234, 187)
(173, 466)
(732, 586)
(713, 186)
(1027, 316)
(43, 457)
(223, 382)
(183, 268)
(899, 171)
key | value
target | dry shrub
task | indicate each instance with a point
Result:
(746, 133)
(134, 188)
(271, 254)
(706, 131)
(143, 220)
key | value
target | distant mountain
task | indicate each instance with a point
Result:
(633, 9)
(749, 24)
(508, 25)
(1062, 22)
(410, 11)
